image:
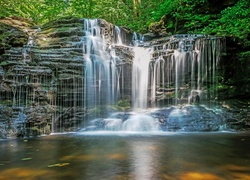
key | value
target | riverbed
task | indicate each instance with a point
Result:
(124, 155)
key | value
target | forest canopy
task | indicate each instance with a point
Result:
(181, 16)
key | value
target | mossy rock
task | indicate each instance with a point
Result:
(58, 31)
(63, 22)
(11, 36)
(4, 63)
(157, 27)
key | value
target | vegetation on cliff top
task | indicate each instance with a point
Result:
(227, 17)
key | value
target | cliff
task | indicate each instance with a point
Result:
(43, 78)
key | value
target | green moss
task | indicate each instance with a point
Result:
(3, 63)
(47, 129)
(122, 105)
(35, 130)
(63, 22)
(11, 36)
(7, 103)
(170, 95)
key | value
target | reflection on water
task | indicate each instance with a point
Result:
(210, 156)
(143, 159)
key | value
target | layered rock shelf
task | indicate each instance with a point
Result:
(43, 77)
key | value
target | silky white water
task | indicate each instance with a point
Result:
(140, 73)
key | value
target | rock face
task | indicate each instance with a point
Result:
(14, 33)
(182, 119)
(235, 64)
(43, 76)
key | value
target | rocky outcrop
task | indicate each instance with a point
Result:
(14, 33)
(42, 77)
(42, 74)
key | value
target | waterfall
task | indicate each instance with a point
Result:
(101, 73)
(140, 122)
(179, 70)
(119, 38)
(184, 69)
(140, 75)
(62, 81)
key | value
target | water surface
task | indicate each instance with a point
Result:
(119, 155)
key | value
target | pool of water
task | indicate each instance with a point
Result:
(123, 155)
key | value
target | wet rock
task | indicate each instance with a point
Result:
(41, 70)
(189, 118)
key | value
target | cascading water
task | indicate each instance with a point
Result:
(119, 38)
(140, 122)
(101, 72)
(187, 68)
(101, 68)
(140, 77)
(181, 70)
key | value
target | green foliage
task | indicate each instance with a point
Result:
(164, 9)
(177, 11)
(120, 12)
(22, 8)
(234, 21)
(182, 16)
(122, 105)
(244, 55)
